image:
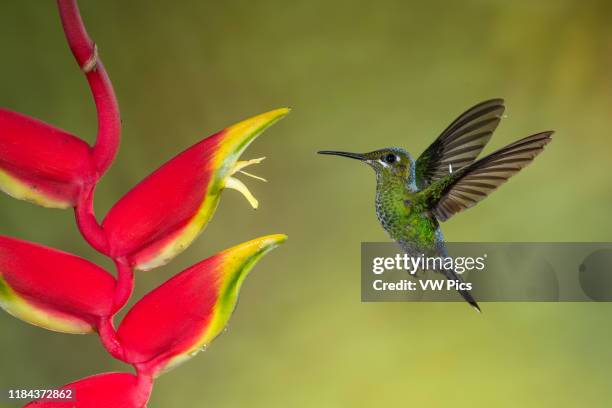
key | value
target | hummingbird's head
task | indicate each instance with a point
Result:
(389, 162)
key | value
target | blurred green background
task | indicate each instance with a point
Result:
(359, 75)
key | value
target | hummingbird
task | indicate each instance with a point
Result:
(414, 196)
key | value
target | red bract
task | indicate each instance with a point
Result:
(40, 163)
(163, 214)
(150, 225)
(173, 322)
(110, 390)
(53, 289)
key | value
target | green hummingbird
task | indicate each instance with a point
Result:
(413, 197)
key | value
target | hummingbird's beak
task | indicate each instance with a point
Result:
(357, 156)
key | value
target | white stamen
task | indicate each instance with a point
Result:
(245, 163)
(239, 186)
(450, 168)
(253, 176)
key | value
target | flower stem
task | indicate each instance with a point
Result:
(103, 152)
(144, 387)
(87, 222)
(108, 337)
(86, 54)
(125, 284)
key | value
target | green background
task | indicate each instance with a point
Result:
(360, 76)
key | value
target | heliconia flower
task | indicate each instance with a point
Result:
(163, 214)
(53, 289)
(108, 390)
(40, 163)
(176, 320)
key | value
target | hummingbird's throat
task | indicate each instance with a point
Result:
(235, 184)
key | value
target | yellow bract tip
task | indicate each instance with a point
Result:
(250, 251)
(250, 128)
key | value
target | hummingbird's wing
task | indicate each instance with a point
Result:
(460, 143)
(473, 183)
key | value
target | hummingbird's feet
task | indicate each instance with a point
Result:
(235, 184)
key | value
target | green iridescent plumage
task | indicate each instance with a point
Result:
(413, 197)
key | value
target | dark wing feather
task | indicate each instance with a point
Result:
(473, 183)
(460, 143)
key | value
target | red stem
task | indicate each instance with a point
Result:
(144, 387)
(87, 222)
(108, 337)
(125, 284)
(103, 152)
(106, 327)
(86, 55)
(151, 368)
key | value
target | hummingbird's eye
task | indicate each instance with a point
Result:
(390, 158)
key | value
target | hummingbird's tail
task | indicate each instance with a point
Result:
(451, 274)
